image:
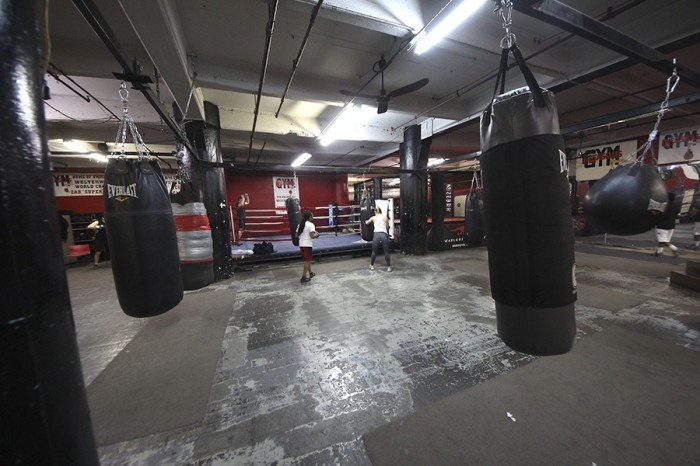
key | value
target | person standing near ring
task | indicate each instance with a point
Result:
(665, 226)
(380, 236)
(99, 245)
(243, 200)
(306, 232)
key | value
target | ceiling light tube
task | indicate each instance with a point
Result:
(424, 41)
(75, 146)
(301, 159)
(97, 157)
(333, 130)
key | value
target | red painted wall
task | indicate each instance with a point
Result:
(314, 190)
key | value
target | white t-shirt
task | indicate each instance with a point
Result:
(380, 223)
(305, 236)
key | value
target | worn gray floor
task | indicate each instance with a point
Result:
(304, 371)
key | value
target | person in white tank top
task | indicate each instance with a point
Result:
(380, 236)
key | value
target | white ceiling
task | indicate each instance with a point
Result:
(216, 48)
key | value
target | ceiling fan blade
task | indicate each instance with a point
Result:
(355, 94)
(408, 88)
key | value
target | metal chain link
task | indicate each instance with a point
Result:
(505, 9)
(671, 84)
(128, 122)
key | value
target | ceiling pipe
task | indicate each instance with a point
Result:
(460, 92)
(269, 29)
(571, 20)
(295, 63)
(624, 116)
(99, 25)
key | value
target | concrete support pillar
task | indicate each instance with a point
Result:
(414, 189)
(44, 416)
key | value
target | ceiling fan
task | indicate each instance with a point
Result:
(383, 98)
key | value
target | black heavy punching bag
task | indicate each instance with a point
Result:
(473, 220)
(627, 200)
(294, 216)
(142, 239)
(366, 212)
(194, 242)
(436, 234)
(528, 219)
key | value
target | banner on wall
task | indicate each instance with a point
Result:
(593, 163)
(282, 188)
(86, 184)
(679, 146)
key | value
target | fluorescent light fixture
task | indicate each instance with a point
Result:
(75, 146)
(301, 159)
(333, 131)
(424, 41)
(97, 157)
(348, 124)
(432, 162)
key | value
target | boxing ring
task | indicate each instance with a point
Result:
(338, 227)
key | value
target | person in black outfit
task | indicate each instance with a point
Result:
(243, 200)
(665, 226)
(63, 227)
(99, 245)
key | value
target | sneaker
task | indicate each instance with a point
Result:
(371, 267)
(657, 254)
(675, 254)
(388, 269)
(311, 275)
(305, 279)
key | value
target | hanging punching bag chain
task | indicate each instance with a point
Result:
(671, 84)
(128, 122)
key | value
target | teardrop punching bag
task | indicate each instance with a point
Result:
(142, 238)
(627, 200)
(294, 216)
(527, 217)
(194, 241)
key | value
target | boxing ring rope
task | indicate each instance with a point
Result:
(273, 224)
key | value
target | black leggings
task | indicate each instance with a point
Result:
(383, 238)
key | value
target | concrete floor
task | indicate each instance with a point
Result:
(303, 371)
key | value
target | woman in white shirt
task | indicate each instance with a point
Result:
(380, 236)
(306, 232)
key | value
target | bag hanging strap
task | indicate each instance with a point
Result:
(524, 69)
(529, 77)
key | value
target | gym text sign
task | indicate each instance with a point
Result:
(282, 188)
(593, 163)
(86, 184)
(679, 146)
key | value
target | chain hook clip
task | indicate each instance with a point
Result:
(505, 9)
